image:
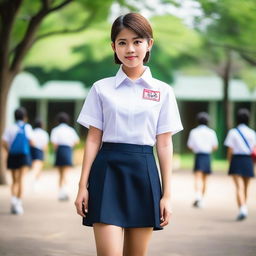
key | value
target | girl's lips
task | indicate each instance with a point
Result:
(130, 57)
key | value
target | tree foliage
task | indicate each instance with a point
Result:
(91, 50)
(231, 25)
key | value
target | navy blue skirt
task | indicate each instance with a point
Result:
(63, 156)
(18, 161)
(241, 165)
(203, 163)
(36, 153)
(124, 187)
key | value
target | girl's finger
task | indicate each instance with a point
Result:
(79, 208)
(166, 218)
(161, 213)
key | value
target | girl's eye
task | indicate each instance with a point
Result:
(121, 43)
(138, 42)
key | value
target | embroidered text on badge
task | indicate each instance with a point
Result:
(151, 95)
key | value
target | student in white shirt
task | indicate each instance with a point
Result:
(41, 139)
(64, 138)
(240, 142)
(16, 141)
(119, 189)
(202, 141)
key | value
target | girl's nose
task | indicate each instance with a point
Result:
(130, 48)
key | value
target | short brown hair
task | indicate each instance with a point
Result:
(135, 22)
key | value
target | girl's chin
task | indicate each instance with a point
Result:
(132, 64)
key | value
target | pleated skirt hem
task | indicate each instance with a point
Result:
(241, 165)
(203, 163)
(119, 224)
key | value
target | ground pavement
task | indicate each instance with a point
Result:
(52, 228)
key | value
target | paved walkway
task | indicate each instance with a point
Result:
(52, 228)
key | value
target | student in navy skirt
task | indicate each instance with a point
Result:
(202, 141)
(41, 139)
(64, 138)
(19, 158)
(240, 142)
(120, 193)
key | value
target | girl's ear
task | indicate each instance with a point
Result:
(150, 43)
(113, 46)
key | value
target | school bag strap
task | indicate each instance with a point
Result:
(245, 140)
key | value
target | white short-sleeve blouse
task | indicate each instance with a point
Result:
(65, 135)
(202, 139)
(131, 111)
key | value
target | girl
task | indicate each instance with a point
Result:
(202, 141)
(41, 139)
(16, 140)
(119, 190)
(64, 138)
(240, 142)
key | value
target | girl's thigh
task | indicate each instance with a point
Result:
(136, 241)
(238, 181)
(109, 239)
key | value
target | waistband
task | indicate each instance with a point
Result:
(127, 147)
(64, 146)
(203, 154)
(241, 155)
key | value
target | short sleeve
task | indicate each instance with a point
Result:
(215, 139)
(91, 113)
(75, 136)
(229, 142)
(169, 117)
(29, 131)
(6, 136)
(190, 142)
(53, 136)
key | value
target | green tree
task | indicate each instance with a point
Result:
(23, 22)
(228, 30)
(80, 56)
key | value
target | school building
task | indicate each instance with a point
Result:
(205, 93)
(194, 94)
(47, 100)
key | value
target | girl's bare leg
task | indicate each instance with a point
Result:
(246, 185)
(109, 239)
(238, 181)
(136, 241)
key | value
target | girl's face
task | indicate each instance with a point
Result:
(130, 48)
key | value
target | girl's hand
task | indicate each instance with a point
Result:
(165, 211)
(81, 202)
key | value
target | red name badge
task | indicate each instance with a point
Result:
(151, 95)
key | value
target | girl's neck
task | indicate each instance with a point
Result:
(134, 73)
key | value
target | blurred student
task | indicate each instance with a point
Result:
(17, 140)
(202, 141)
(64, 138)
(240, 142)
(41, 139)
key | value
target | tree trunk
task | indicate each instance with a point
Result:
(5, 84)
(227, 104)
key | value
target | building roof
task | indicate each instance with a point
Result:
(192, 88)
(26, 85)
(205, 88)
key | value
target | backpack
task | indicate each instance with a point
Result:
(20, 144)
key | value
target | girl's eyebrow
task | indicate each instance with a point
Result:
(123, 39)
